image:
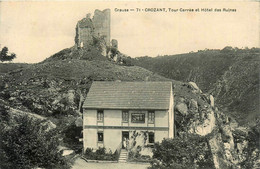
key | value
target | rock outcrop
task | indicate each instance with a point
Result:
(228, 142)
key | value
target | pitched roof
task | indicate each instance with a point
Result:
(129, 95)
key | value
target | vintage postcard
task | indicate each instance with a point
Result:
(120, 84)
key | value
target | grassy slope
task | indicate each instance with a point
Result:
(231, 76)
(7, 67)
(80, 71)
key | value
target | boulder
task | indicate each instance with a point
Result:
(182, 108)
(79, 122)
(194, 86)
(207, 125)
(193, 106)
(71, 96)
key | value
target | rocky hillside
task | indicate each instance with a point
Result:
(231, 75)
(57, 87)
(54, 87)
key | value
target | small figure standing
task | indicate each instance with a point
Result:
(124, 142)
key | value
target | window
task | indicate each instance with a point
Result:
(151, 117)
(100, 115)
(125, 116)
(138, 118)
(100, 136)
(151, 137)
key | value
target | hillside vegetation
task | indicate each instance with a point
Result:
(53, 87)
(231, 75)
(56, 88)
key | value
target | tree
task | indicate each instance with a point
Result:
(4, 56)
(27, 144)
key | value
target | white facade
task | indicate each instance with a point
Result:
(113, 125)
(116, 111)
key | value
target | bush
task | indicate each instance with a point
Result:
(186, 152)
(28, 145)
(127, 61)
(101, 154)
(71, 137)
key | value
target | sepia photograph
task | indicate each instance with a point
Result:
(129, 85)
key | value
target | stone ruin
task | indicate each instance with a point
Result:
(88, 29)
(95, 32)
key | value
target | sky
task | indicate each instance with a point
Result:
(37, 29)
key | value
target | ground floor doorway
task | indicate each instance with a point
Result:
(125, 138)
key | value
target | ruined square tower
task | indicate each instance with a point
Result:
(101, 21)
(98, 27)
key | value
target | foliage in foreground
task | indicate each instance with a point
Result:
(25, 143)
(180, 153)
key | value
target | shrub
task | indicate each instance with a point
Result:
(185, 152)
(101, 154)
